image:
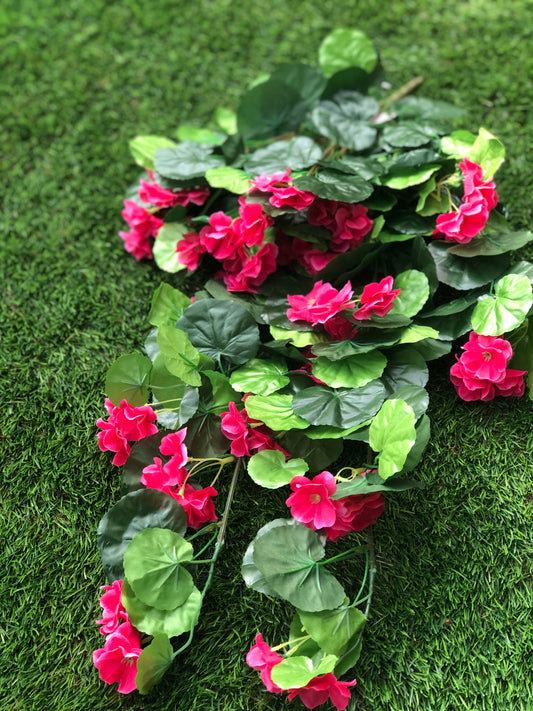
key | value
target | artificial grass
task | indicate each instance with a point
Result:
(450, 625)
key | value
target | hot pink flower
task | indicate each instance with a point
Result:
(252, 270)
(340, 329)
(261, 656)
(137, 243)
(284, 194)
(113, 611)
(322, 303)
(117, 661)
(473, 183)
(467, 222)
(159, 475)
(246, 435)
(512, 384)
(486, 357)
(161, 197)
(354, 513)
(251, 223)
(198, 504)
(134, 423)
(110, 440)
(140, 219)
(189, 250)
(348, 223)
(319, 689)
(310, 503)
(172, 444)
(219, 237)
(314, 260)
(377, 299)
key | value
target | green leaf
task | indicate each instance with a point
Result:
(261, 377)
(349, 659)
(143, 149)
(142, 454)
(493, 240)
(270, 109)
(408, 134)
(221, 391)
(251, 574)
(186, 132)
(523, 268)
(232, 179)
(458, 144)
(421, 108)
(275, 411)
(415, 333)
(325, 432)
(299, 338)
(186, 161)
(127, 379)
(332, 186)
(344, 48)
(488, 152)
(269, 469)
(222, 330)
(135, 512)
(152, 621)
(297, 153)
(416, 397)
(392, 434)
(366, 341)
(226, 120)
(296, 672)
(168, 304)
(509, 308)
(343, 407)
(464, 274)
(351, 372)
(332, 630)
(153, 662)
(304, 79)
(414, 293)
(366, 168)
(181, 357)
(153, 566)
(401, 178)
(204, 437)
(423, 433)
(164, 248)
(405, 367)
(331, 121)
(287, 556)
(318, 455)
(372, 483)
(166, 387)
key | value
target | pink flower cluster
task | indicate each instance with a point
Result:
(481, 372)
(312, 505)
(125, 423)
(283, 194)
(324, 302)
(348, 223)
(471, 217)
(315, 692)
(117, 660)
(143, 223)
(246, 435)
(171, 477)
(247, 259)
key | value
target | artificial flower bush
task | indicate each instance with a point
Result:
(346, 237)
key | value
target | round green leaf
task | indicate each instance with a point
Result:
(401, 178)
(296, 672)
(269, 469)
(287, 557)
(270, 109)
(408, 134)
(334, 186)
(232, 179)
(153, 566)
(330, 121)
(182, 359)
(276, 411)
(153, 662)
(509, 308)
(135, 512)
(345, 48)
(415, 396)
(392, 434)
(405, 367)
(261, 377)
(351, 372)
(223, 330)
(167, 306)
(165, 386)
(164, 248)
(304, 79)
(127, 379)
(297, 153)
(152, 621)
(186, 161)
(414, 292)
(332, 630)
(143, 149)
(343, 407)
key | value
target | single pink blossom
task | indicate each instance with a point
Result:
(154, 194)
(284, 194)
(471, 388)
(134, 423)
(251, 223)
(352, 224)
(140, 219)
(474, 183)
(110, 440)
(260, 656)
(322, 688)
(117, 661)
(113, 610)
(322, 303)
(189, 250)
(354, 513)
(250, 271)
(486, 357)
(159, 475)
(219, 237)
(173, 444)
(137, 243)
(512, 384)
(198, 504)
(310, 502)
(464, 224)
(377, 299)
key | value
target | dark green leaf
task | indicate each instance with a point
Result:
(464, 274)
(423, 433)
(251, 574)
(153, 662)
(318, 454)
(127, 379)
(408, 134)
(416, 397)
(204, 437)
(186, 161)
(331, 186)
(349, 79)
(142, 454)
(421, 108)
(372, 483)
(405, 367)
(166, 387)
(410, 223)
(344, 407)
(332, 122)
(366, 168)
(304, 79)
(270, 109)
(296, 153)
(147, 508)
(493, 241)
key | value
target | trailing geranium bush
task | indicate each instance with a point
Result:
(346, 236)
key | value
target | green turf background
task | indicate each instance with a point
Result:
(451, 626)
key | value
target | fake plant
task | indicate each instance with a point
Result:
(346, 236)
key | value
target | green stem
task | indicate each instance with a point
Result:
(346, 554)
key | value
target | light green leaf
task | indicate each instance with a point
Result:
(261, 377)
(165, 244)
(299, 338)
(143, 149)
(345, 48)
(226, 120)
(509, 308)
(401, 178)
(351, 372)
(275, 411)
(232, 179)
(199, 135)
(181, 357)
(153, 566)
(488, 152)
(269, 469)
(414, 293)
(332, 630)
(128, 378)
(392, 434)
(168, 304)
(415, 333)
(296, 672)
